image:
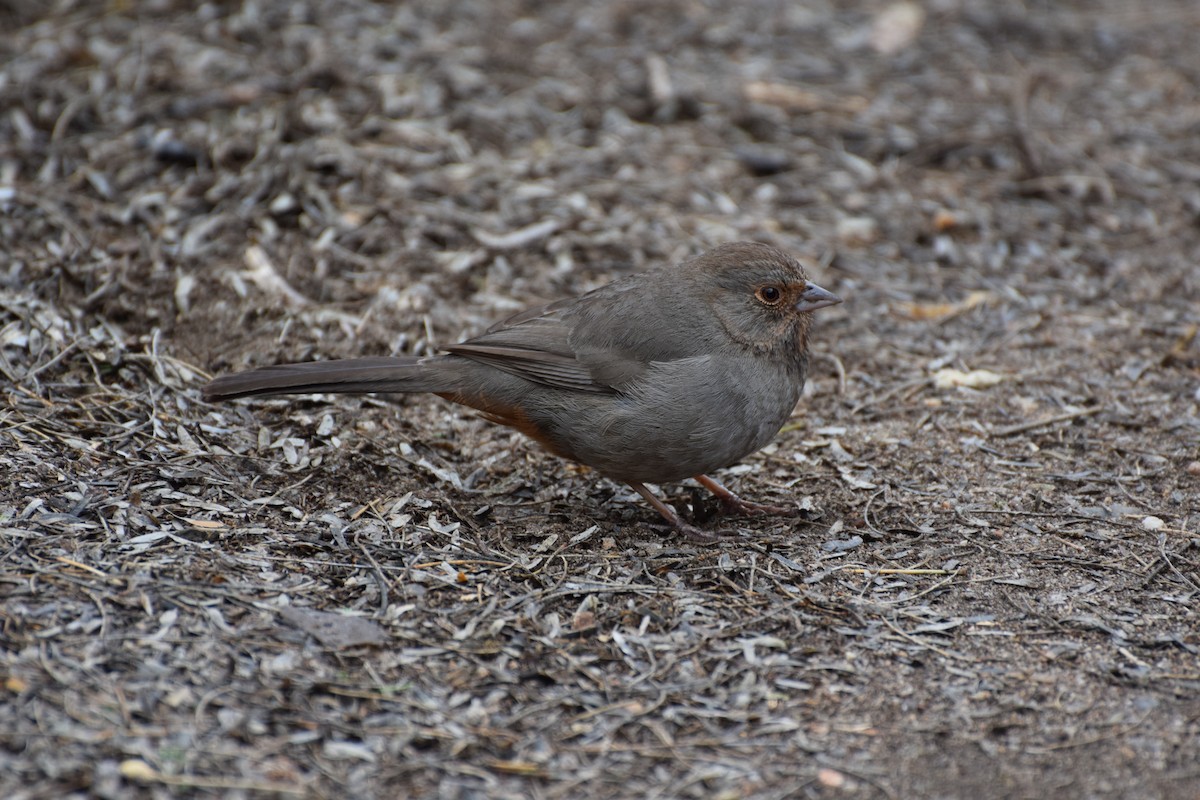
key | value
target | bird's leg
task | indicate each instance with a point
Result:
(732, 504)
(691, 531)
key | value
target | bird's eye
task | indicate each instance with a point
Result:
(771, 295)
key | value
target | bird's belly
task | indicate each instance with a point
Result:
(664, 436)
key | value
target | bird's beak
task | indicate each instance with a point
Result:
(815, 297)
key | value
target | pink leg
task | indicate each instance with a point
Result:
(691, 531)
(732, 504)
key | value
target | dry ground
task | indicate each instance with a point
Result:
(979, 607)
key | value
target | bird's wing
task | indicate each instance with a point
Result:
(536, 344)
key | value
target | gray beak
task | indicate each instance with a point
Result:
(815, 297)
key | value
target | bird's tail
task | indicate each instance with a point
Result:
(351, 375)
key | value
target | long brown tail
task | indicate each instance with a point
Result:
(351, 375)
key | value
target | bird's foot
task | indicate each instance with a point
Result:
(676, 523)
(697, 535)
(736, 505)
(732, 504)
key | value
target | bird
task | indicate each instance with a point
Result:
(661, 375)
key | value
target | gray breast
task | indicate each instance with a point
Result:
(688, 416)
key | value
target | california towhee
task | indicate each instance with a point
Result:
(656, 377)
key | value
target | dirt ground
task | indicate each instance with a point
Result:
(996, 593)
